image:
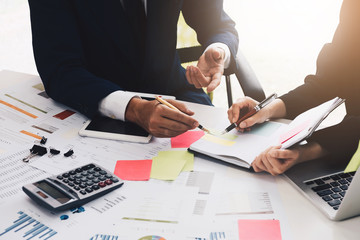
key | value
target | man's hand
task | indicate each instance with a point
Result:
(209, 69)
(158, 119)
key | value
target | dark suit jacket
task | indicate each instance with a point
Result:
(338, 74)
(86, 49)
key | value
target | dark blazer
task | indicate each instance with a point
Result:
(87, 49)
(337, 74)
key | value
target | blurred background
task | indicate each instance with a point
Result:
(280, 38)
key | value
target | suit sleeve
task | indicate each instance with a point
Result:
(60, 60)
(337, 74)
(211, 24)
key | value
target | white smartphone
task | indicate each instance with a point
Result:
(108, 128)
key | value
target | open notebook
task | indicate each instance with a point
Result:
(242, 148)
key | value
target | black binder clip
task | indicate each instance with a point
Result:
(53, 152)
(70, 153)
(36, 150)
(42, 141)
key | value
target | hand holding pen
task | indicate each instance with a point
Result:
(246, 104)
(163, 101)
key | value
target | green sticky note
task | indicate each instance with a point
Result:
(354, 162)
(167, 165)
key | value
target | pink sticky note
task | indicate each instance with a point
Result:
(186, 139)
(293, 132)
(134, 170)
(259, 229)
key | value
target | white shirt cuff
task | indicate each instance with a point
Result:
(226, 50)
(114, 105)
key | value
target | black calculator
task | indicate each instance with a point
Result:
(73, 188)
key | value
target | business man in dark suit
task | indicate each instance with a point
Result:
(90, 53)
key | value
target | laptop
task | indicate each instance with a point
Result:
(323, 182)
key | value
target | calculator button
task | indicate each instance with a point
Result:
(87, 167)
(77, 188)
(82, 185)
(96, 174)
(71, 184)
(77, 181)
(108, 182)
(83, 179)
(84, 173)
(96, 180)
(95, 187)
(65, 175)
(78, 170)
(72, 172)
(102, 172)
(97, 169)
(65, 180)
(78, 176)
(101, 184)
(91, 171)
(89, 183)
(71, 178)
(90, 177)
(102, 178)
(83, 192)
(89, 190)
(108, 176)
(115, 180)
(60, 177)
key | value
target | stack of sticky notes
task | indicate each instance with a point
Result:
(167, 165)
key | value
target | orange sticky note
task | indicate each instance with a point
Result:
(186, 139)
(133, 170)
(259, 229)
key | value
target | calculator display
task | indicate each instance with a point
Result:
(51, 191)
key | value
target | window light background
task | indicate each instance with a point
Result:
(280, 38)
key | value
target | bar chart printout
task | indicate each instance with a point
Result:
(27, 228)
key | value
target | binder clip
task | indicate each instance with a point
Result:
(53, 152)
(36, 150)
(70, 153)
(42, 141)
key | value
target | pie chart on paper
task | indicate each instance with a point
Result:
(152, 238)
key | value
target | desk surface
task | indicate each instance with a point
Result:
(303, 219)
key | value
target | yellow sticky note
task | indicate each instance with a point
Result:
(354, 162)
(218, 140)
(167, 165)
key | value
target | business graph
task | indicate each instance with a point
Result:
(27, 228)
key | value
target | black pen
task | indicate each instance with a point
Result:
(257, 108)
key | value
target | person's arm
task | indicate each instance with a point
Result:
(216, 32)
(60, 59)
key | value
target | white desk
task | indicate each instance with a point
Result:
(303, 219)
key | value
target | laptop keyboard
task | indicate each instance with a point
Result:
(331, 188)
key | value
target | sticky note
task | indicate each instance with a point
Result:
(354, 162)
(292, 132)
(167, 165)
(259, 229)
(186, 139)
(218, 140)
(133, 170)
